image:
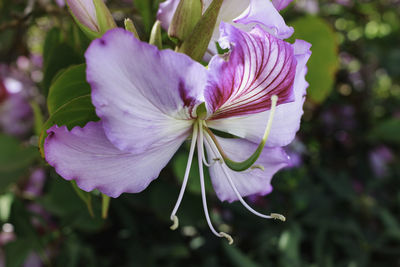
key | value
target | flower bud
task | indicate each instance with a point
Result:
(186, 16)
(92, 16)
(196, 43)
(129, 26)
(155, 36)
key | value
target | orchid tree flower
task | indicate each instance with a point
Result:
(244, 14)
(150, 105)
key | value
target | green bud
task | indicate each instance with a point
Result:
(186, 16)
(195, 45)
(129, 26)
(155, 35)
(104, 17)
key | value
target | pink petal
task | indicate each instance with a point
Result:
(281, 4)
(287, 116)
(145, 97)
(86, 155)
(251, 181)
(258, 66)
(264, 13)
(166, 12)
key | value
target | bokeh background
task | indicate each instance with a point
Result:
(340, 195)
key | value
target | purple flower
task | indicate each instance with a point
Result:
(281, 4)
(380, 158)
(244, 14)
(296, 150)
(150, 105)
(3, 91)
(15, 111)
(60, 3)
(36, 182)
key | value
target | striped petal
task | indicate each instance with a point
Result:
(287, 117)
(258, 66)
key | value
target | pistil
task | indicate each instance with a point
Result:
(200, 147)
(233, 186)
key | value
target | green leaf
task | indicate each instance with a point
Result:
(56, 56)
(387, 131)
(53, 38)
(17, 252)
(236, 257)
(62, 202)
(69, 84)
(179, 166)
(289, 245)
(146, 13)
(76, 112)
(85, 196)
(38, 117)
(15, 160)
(323, 63)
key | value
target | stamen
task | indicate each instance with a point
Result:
(244, 165)
(203, 154)
(176, 223)
(203, 193)
(230, 180)
(271, 216)
(257, 166)
(229, 237)
(278, 216)
(173, 217)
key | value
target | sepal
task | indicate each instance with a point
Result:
(155, 35)
(104, 17)
(185, 18)
(129, 26)
(195, 45)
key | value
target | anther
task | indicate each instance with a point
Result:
(278, 216)
(185, 178)
(219, 160)
(257, 166)
(229, 237)
(175, 225)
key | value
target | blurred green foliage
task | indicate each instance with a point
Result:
(342, 203)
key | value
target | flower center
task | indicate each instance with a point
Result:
(200, 133)
(248, 163)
